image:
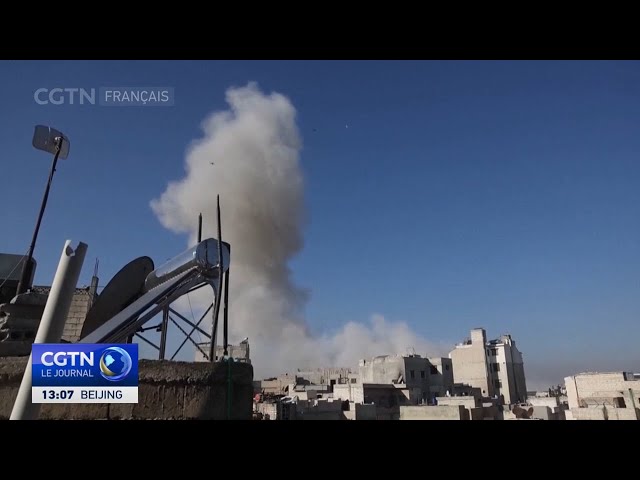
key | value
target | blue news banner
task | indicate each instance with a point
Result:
(84, 373)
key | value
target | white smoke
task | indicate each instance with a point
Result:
(249, 155)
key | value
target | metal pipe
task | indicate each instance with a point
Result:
(225, 317)
(216, 308)
(52, 323)
(199, 228)
(26, 267)
(163, 334)
(214, 337)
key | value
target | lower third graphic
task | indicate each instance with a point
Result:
(84, 373)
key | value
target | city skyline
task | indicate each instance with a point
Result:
(441, 196)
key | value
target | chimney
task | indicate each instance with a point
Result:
(478, 335)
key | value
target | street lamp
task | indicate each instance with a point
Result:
(52, 141)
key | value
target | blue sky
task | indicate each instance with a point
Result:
(445, 194)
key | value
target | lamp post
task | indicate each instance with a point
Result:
(54, 142)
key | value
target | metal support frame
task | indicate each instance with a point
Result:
(188, 337)
(144, 309)
(149, 342)
(191, 324)
(170, 283)
(163, 328)
(184, 284)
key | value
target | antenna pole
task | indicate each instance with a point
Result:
(27, 270)
(216, 309)
(199, 228)
(225, 317)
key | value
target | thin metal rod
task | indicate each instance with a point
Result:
(216, 308)
(214, 340)
(199, 228)
(148, 341)
(157, 328)
(163, 334)
(225, 316)
(52, 322)
(26, 267)
(193, 330)
(188, 337)
(191, 324)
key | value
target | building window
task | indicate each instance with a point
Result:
(495, 367)
(494, 352)
(421, 373)
(413, 374)
(433, 370)
(354, 380)
(498, 384)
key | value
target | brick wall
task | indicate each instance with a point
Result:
(77, 312)
(80, 305)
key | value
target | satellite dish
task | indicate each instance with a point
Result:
(124, 288)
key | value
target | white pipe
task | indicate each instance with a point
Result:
(52, 323)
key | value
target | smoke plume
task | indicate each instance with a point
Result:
(249, 155)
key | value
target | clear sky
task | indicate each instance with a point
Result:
(446, 194)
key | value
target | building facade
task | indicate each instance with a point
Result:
(240, 352)
(496, 367)
(422, 379)
(604, 396)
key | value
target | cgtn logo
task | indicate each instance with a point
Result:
(85, 373)
(115, 364)
(60, 96)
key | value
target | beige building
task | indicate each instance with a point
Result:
(424, 378)
(495, 367)
(603, 396)
(240, 352)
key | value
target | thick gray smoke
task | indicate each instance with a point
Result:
(250, 155)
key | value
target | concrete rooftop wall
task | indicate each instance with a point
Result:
(550, 402)
(604, 413)
(593, 385)
(467, 402)
(424, 412)
(167, 390)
